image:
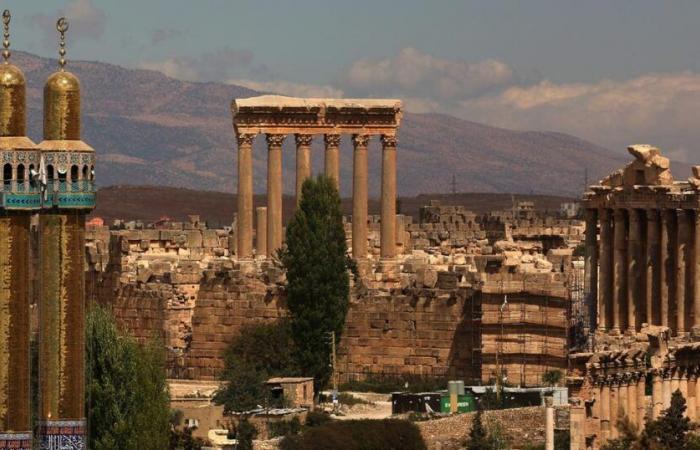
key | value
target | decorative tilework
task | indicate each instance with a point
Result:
(62, 435)
(16, 441)
(10, 200)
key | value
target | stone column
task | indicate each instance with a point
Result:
(683, 385)
(653, 276)
(692, 395)
(549, 423)
(303, 142)
(577, 425)
(332, 158)
(244, 222)
(605, 426)
(641, 400)
(591, 265)
(635, 275)
(667, 389)
(682, 259)
(388, 219)
(359, 196)
(623, 400)
(261, 231)
(632, 398)
(695, 261)
(274, 192)
(605, 291)
(657, 394)
(664, 266)
(614, 406)
(620, 269)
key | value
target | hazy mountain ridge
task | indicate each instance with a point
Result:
(151, 129)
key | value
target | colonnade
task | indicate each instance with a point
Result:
(273, 220)
(649, 267)
(617, 396)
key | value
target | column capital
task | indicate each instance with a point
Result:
(275, 140)
(389, 141)
(303, 140)
(331, 140)
(245, 138)
(360, 140)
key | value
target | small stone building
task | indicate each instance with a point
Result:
(299, 391)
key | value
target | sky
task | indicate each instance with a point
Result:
(612, 72)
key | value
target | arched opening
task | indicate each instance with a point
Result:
(62, 180)
(85, 172)
(74, 174)
(7, 176)
(92, 173)
(50, 176)
(20, 177)
(31, 175)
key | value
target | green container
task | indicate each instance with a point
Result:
(465, 403)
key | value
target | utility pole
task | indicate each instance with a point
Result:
(335, 372)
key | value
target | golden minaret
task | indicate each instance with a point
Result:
(19, 198)
(68, 179)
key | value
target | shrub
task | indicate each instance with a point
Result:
(285, 427)
(261, 351)
(386, 384)
(386, 434)
(245, 433)
(317, 418)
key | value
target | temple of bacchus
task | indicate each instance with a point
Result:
(642, 283)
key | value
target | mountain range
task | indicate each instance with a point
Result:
(151, 129)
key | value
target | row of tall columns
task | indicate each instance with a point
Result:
(617, 397)
(649, 268)
(273, 220)
(666, 382)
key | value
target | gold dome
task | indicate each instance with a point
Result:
(13, 120)
(62, 107)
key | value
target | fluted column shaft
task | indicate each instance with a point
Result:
(274, 192)
(668, 383)
(683, 386)
(605, 410)
(653, 276)
(657, 394)
(606, 276)
(635, 274)
(683, 257)
(303, 142)
(388, 211)
(614, 407)
(665, 266)
(359, 196)
(641, 400)
(623, 401)
(244, 222)
(692, 396)
(632, 400)
(591, 265)
(620, 268)
(332, 158)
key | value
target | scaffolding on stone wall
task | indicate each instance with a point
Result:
(578, 309)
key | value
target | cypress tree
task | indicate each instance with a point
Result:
(318, 283)
(478, 438)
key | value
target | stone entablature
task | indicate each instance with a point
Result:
(273, 114)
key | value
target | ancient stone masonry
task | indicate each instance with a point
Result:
(642, 281)
(437, 312)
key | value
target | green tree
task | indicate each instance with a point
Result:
(259, 352)
(629, 438)
(318, 283)
(127, 394)
(670, 431)
(478, 437)
(245, 434)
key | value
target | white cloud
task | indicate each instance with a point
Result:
(86, 20)
(213, 66)
(660, 109)
(290, 88)
(412, 73)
